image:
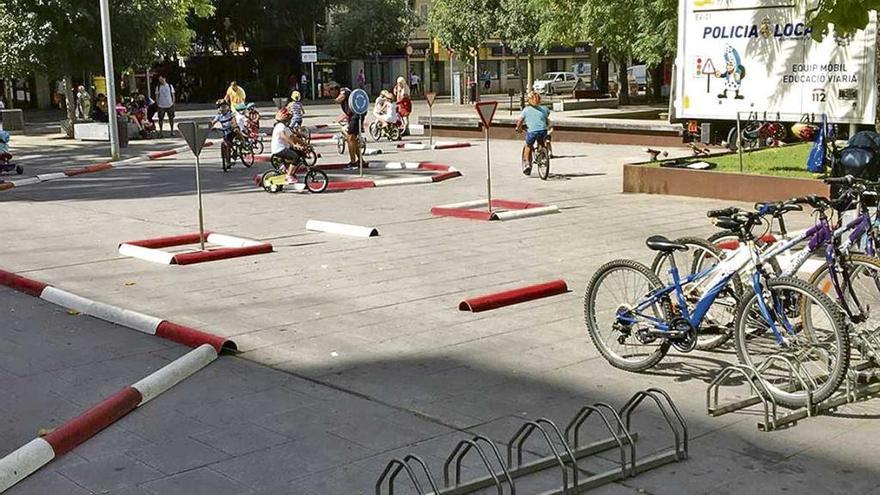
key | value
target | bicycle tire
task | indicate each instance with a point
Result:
(395, 133)
(258, 147)
(718, 336)
(543, 161)
(270, 188)
(316, 180)
(836, 319)
(590, 317)
(817, 279)
(311, 157)
(246, 155)
(375, 131)
(340, 144)
(224, 158)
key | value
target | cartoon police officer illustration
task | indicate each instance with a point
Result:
(733, 73)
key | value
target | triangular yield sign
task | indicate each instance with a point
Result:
(194, 134)
(708, 67)
(486, 111)
(430, 95)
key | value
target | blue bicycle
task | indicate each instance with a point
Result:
(633, 318)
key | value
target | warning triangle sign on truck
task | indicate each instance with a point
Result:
(486, 111)
(708, 67)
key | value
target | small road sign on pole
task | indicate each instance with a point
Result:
(486, 112)
(359, 103)
(195, 134)
(430, 96)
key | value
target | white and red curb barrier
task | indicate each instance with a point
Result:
(437, 146)
(35, 454)
(97, 167)
(123, 317)
(230, 247)
(514, 296)
(502, 209)
(341, 228)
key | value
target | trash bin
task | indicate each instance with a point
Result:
(472, 92)
(122, 131)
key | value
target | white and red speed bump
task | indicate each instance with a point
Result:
(123, 317)
(35, 454)
(341, 228)
(436, 146)
(230, 247)
(502, 209)
(514, 296)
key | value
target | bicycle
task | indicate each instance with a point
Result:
(341, 141)
(646, 320)
(274, 180)
(242, 149)
(540, 156)
(391, 132)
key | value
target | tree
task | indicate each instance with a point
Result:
(520, 22)
(847, 16)
(350, 34)
(464, 25)
(63, 37)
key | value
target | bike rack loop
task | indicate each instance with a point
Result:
(398, 465)
(681, 447)
(523, 434)
(463, 448)
(762, 395)
(572, 431)
(793, 372)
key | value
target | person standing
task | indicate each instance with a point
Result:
(352, 128)
(415, 81)
(83, 103)
(404, 102)
(235, 95)
(304, 85)
(361, 79)
(487, 80)
(165, 102)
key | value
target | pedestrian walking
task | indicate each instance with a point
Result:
(165, 103)
(415, 83)
(487, 80)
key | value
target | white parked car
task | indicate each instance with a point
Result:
(555, 83)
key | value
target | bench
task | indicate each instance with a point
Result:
(13, 119)
(99, 131)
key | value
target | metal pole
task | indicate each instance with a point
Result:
(201, 216)
(430, 125)
(739, 145)
(451, 78)
(111, 81)
(147, 74)
(314, 95)
(488, 172)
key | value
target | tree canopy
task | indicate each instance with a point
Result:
(847, 16)
(463, 25)
(354, 33)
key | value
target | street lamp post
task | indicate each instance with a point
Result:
(110, 79)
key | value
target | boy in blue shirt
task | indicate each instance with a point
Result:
(537, 122)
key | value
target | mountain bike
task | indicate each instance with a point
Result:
(633, 318)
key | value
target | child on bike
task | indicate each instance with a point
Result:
(287, 145)
(537, 121)
(4, 145)
(387, 113)
(226, 119)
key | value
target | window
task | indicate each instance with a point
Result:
(569, 77)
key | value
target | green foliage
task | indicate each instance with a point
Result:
(847, 16)
(519, 22)
(359, 28)
(64, 36)
(463, 25)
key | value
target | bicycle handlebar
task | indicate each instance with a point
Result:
(724, 212)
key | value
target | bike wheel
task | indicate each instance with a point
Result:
(362, 143)
(542, 159)
(317, 180)
(817, 341)
(269, 186)
(861, 290)
(311, 156)
(617, 287)
(340, 144)
(717, 325)
(258, 147)
(395, 133)
(375, 131)
(246, 155)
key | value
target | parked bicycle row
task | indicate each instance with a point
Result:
(800, 299)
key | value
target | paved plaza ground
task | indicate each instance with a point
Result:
(353, 350)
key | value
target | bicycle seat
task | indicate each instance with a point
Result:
(664, 245)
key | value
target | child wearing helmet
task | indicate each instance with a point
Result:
(226, 119)
(285, 143)
(296, 109)
(387, 113)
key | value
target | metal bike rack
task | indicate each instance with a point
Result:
(852, 391)
(566, 451)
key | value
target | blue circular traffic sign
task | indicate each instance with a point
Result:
(359, 101)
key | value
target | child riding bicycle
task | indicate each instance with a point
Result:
(385, 110)
(227, 122)
(537, 121)
(287, 145)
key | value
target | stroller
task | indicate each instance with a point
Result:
(6, 163)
